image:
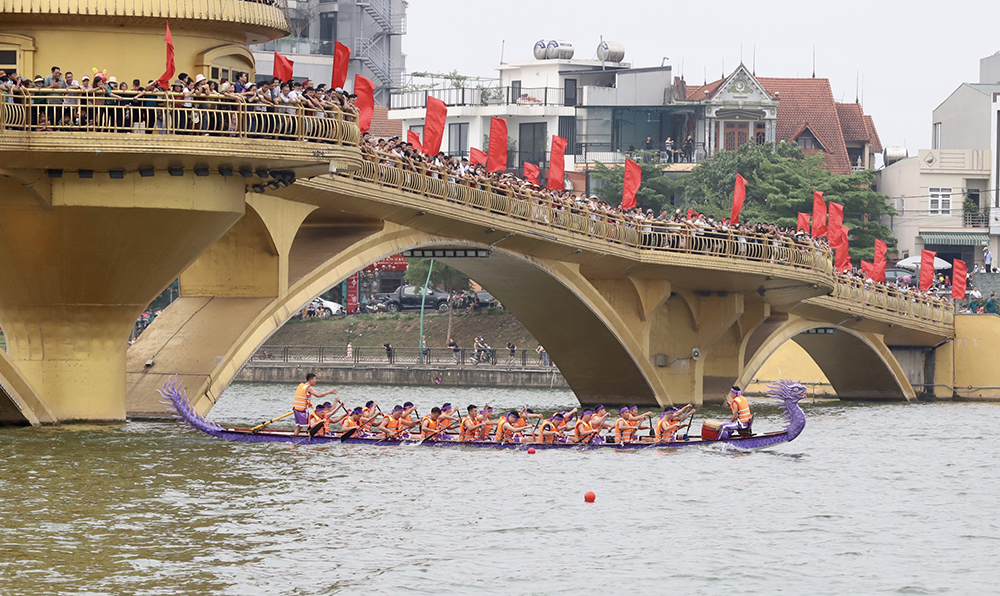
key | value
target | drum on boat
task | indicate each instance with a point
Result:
(710, 429)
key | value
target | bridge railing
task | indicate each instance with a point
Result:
(894, 300)
(541, 209)
(159, 113)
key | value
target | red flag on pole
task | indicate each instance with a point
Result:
(869, 270)
(341, 62)
(414, 139)
(633, 178)
(531, 173)
(803, 223)
(819, 215)
(477, 157)
(739, 195)
(927, 269)
(437, 113)
(959, 273)
(283, 67)
(557, 164)
(692, 214)
(835, 226)
(843, 260)
(164, 80)
(498, 146)
(365, 103)
(878, 273)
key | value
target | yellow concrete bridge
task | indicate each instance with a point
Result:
(99, 216)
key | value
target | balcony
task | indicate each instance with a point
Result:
(72, 129)
(977, 219)
(617, 153)
(486, 96)
(294, 45)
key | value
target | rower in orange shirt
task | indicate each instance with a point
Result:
(550, 431)
(471, 425)
(507, 431)
(584, 430)
(429, 423)
(355, 420)
(393, 427)
(486, 417)
(368, 415)
(670, 421)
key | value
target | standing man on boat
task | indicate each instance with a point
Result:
(304, 394)
(742, 417)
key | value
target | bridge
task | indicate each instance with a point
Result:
(96, 221)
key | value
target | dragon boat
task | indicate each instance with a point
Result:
(786, 393)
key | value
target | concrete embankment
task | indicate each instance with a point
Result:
(399, 375)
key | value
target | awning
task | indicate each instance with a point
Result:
(956, 238)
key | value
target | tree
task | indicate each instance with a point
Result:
(657, 192)
(780, 183)
(447, 278)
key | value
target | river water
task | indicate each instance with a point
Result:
(890, 498)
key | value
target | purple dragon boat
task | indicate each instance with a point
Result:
(787, 393)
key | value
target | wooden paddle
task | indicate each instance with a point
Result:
(260, 426)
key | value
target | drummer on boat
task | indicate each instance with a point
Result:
(304, 395)
(741, 419)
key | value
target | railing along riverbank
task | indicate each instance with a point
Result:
(402, 356)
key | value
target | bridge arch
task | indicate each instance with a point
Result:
(859, 365)
(557, 303)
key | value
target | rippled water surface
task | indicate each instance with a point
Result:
(890, 498)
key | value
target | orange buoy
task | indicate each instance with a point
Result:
(531, 449)
(589, 496)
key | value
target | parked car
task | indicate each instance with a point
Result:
(409, 297)
(327, 308)
(892, 275)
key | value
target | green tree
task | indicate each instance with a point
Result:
(780, 184)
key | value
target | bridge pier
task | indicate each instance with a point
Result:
(82, 258)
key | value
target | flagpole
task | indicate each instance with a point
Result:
(423, 301)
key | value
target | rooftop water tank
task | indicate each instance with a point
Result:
(610, 51)
(559, 50)
(539, 50)
(891, 155)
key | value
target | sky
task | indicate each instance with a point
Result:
(912, 55)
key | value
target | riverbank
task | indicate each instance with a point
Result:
(410, 376)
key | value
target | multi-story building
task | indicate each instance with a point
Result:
(373, 29)
(946, 196)
(608, 110)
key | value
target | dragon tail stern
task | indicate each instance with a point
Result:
(175, 398)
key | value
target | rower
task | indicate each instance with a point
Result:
(670, 420)
(469, 430)
(627, 424)
(741, 420)
(368, 414)
(522, 421)
(392, 426)
(447, 413)
(354, 421)
(506, 428)
(600, 418)
(584, 430)
(550, 431)
(636, 420)
(429, 425)
(318, 419)
(303, 401)
(486, 417)
(409, 410)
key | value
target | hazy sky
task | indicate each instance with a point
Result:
(912, 55)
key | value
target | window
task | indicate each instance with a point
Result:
(940, 201)
(458, 139)
(515, 91)
(936, 140)
(532, 143)
(419, 129)
(8, 60)
(805, 142)
(569, 91)
(567, 130)
(760, 133)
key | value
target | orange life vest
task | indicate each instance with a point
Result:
(432, 426)
(391, 427)
(505, 431)
(583, 431)
(348, 423)
(624, 430)
(302, 399)
(315, 419)
(484, 432)
(665, 429)
(548, 425)
(465, 433)
(367, 414)
(741, 409)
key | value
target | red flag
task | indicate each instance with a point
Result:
(365, 91)
(557, 164)
(836, 223)
(739, 195)
(959, 273)
(692, 214)
(477, 157)
(878, 274)
(283, 67)
(531, 173)
(869, 269)
(341, 62)
(927, 269)
(843, 260)
(803, 223)
(819, 215)
(633, 178)
(498, 145)
(164, 80)
(414, 139)
(437, 113)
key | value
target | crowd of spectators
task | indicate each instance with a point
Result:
(60, 101)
